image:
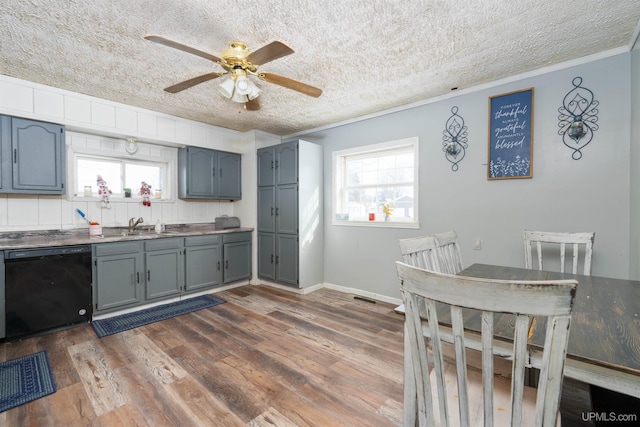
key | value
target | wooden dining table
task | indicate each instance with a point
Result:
(604, 341)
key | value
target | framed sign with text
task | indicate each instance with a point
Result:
(511, 135)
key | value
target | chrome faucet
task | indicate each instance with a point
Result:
(132, 224)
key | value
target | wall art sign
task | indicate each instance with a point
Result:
(511, 135)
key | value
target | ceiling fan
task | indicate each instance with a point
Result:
(239, 63)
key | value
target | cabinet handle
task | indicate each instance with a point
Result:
(220, 172)
(271, 258)
(271, 164)
(213, 171)
(137, 277)
(218, 266)
(277, 164)
(148, 275)
(15, 155)
(226, 264)
(271, 210)
(277, 211)
(277, 258)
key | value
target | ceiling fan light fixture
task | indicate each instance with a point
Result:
(238, 97)
(226, 88)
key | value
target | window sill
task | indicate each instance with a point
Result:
(75, 198)
(377, 224)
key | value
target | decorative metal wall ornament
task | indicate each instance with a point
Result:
(454, 139)
(578, 118)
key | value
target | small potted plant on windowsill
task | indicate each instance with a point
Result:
(127, 192)
(388, 208)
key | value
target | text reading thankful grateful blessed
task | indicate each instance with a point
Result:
(511, 131)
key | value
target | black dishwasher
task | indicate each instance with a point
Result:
(46, 289)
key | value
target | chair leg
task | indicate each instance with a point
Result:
(410, 404)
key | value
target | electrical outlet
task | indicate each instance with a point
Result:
(477, 245)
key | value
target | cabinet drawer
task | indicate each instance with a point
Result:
(116, 248)
(160, 244)
(236, 237)
(211, 239)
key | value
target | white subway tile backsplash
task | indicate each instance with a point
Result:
(126, 120)
(50, 210)
(77, 110)
(48, 104)
(16, 97)
(147, 124)
(103, 115)
(22, 210)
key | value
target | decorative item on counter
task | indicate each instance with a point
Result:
(387, 208)
(127, 192)
(104, 192)
(158, 227)
(145, 192)
(95, 230)
(88, 192)
(158, 194)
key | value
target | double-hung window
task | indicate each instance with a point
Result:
(377, 185)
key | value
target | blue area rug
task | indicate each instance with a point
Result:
(123, 322)
(25, 379)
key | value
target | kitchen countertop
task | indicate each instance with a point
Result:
(80, 236)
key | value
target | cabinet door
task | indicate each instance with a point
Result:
(118, 279)
(229, 180)
(266, 166)
(237, 261)
(164, 274)
(287, 209)
(266, 209)
(287, 163)
(200, 173)
(287, 259)
(203, 267)
(38, 159)
(266, 256)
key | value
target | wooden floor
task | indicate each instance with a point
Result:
(267, 357)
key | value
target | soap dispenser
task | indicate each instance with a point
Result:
(158, 227)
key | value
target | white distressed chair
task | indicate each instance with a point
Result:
(538, 240)
(449, 252)
(453, 395)
(420, 252)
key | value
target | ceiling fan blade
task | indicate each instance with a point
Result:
(252, 105)
(267, 53)
(194, 81)
(290, 84)
(165, 41)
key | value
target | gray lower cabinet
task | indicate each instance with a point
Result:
(164, 268)
(127, 274)
(237, 256)
(203, 262)
(117, 270)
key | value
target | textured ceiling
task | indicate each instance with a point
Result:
(366, 55)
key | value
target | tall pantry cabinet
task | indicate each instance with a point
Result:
(290, 218)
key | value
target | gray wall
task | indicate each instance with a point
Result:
(634, 265)
(564, 194)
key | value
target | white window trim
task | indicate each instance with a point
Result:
(338, 160)
(110, 148)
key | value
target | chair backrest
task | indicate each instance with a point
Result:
(449, 252)
(546, 300)
(541, 239)
(420, 252)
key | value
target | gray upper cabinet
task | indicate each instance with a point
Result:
(209, 174)
(289, 184)
(32, 156)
